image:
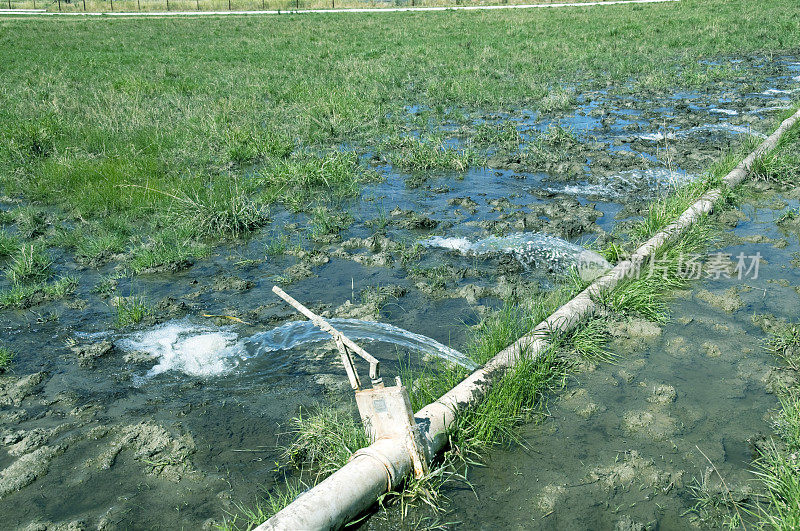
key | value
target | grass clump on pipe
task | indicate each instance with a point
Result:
(324, 440)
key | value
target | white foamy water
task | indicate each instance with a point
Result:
(625, 183)
(204, 351)
(607, 190)
(192, 349)
(726, 127)
(529, 248)
(657, 137)
(771, 108)
(723, 127)
(729, 112)
(772, 91)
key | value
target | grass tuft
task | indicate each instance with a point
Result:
(327, 224)
(31, 222)
(6, 357)
(21, 296)
(784, 342)
(217, 212)
(131, 310)
(503, 136)
(8, 244)
(324, 440)
(778, 471)
(249, 517)
(557, 100)
(30, 264)
(168, 250)
(428, 153)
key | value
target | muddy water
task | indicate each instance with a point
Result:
(625, 441)
(95, 432)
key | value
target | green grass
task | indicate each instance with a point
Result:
(218, 210)
(30, 264)
(6, 357)
(782, 164)
(779, 475)
(170, 250)
(21, 296)
(131, 310)
(778, 465)
(250, 516)
(324, 440)
(105, 6)
(787, 423)
(503, 136)
(326, 223)
(428, 153)
(241, 114)
(8, 244)
(784, 342)
(31, 222)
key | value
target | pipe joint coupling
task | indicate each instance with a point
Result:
(392, 474)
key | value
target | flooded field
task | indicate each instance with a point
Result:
(178, 420)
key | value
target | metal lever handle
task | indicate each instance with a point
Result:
(344, 343)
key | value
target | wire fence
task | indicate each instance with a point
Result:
(149, 6)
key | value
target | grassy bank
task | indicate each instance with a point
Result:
(157, 137)
(778, 465)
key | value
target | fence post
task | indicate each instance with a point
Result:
(84, 6)
(9, 4)
(59, 6)
(167, 5)
(198, 5)
(229, 5)
(112, 6)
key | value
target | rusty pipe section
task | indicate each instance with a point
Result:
(381, 466)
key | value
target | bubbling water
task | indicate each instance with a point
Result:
(625, 183)
(530, 249)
